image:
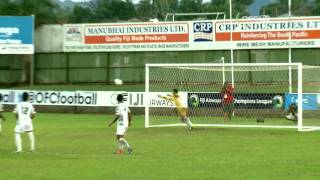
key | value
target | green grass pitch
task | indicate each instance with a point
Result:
(79, 146)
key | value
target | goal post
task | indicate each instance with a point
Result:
(260, 95)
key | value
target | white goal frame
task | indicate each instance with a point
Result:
(299, 126)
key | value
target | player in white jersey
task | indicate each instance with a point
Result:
(123, 118)
(1, 116)
(24, 112)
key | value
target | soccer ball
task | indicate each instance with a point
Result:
(277, 101)
(117, 81)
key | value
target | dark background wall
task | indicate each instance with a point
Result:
(68, 68)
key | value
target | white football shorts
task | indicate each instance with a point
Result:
(121, 130)
(20, 128)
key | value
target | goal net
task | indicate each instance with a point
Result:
(230, 95)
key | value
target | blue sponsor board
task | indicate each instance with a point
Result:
(16, 30)
(16, 35)
(241, 100)
(309, 101)
(203, 31)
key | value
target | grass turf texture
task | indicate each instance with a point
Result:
(71, 146)
(167, 120)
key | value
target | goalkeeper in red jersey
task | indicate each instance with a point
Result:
(227, 100)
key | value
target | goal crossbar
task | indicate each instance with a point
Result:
(222, 64)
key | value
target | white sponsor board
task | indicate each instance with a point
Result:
(65, 98)
(101, 98)
(16, 49)
(155, 101)
(297, 32)
(270, 33)
(126, 37)
(139, 99)
(90, 98)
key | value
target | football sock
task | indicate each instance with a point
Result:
(120, 145)
(32, 141)
(18, 142)
(125, 142)
(189, 123)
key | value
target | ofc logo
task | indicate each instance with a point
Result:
(194, 100)
(277, 102)
(202, 31)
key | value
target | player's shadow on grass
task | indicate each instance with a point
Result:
(195, 129)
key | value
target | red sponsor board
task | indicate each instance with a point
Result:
(268, 35)
(146, 38)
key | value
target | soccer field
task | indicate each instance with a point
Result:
(78, 146)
